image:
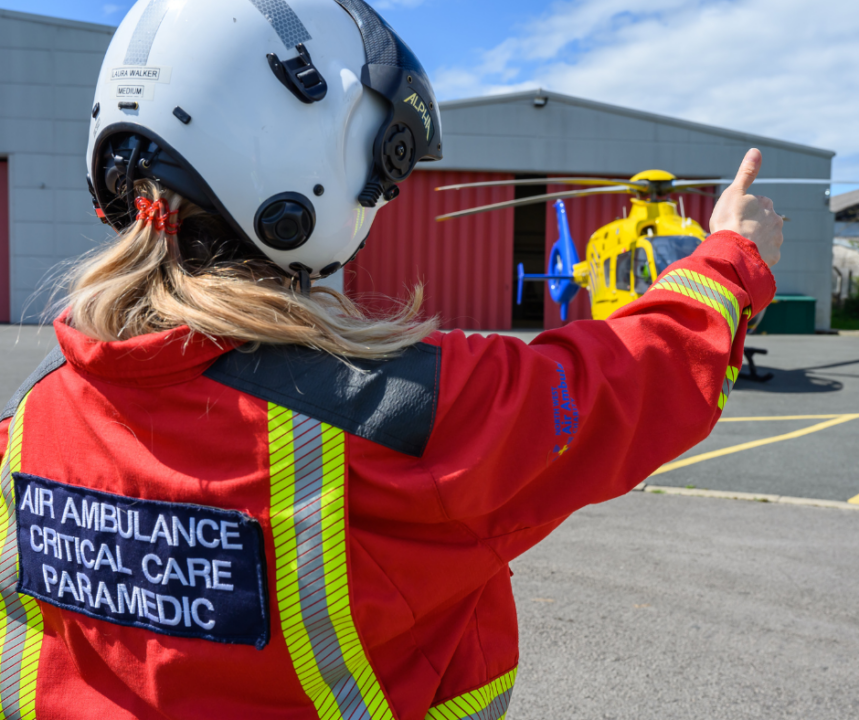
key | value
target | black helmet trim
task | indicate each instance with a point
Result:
(156, 161)
(412, 131)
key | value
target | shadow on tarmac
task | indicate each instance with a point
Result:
(802, 380)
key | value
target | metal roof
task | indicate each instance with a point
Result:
(553, 97)
(59, 22)
(839, 203)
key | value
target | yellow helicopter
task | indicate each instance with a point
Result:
(626, 256)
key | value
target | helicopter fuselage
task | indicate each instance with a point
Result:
(625, 257)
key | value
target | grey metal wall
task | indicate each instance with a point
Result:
(571, 136)
(48, 72)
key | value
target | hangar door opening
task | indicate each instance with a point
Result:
(465, 264)
(5, 259)
(529, 249)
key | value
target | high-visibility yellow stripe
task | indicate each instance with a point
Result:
(731, 376)
(706, 291)
(21, 633)
(489, 702)
(308, 519)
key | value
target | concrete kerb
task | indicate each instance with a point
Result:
(748, 497)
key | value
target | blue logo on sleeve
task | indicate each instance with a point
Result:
(182, 570)
(565, 415)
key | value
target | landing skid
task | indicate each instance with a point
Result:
(754, 375)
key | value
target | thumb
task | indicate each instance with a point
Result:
(748, 172)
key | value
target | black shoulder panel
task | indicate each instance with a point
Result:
(390, 402)
(54, 361)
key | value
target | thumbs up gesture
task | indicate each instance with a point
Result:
(751, 216)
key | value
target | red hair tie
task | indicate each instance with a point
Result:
(157, 213)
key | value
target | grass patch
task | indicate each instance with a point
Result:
(847, 316)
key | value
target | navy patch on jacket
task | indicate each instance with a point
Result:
(183, 570)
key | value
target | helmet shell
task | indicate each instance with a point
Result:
(193, 76)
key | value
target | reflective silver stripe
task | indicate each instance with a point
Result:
(284, 21)
(145, 32)
(307, 515)
(730, 380)
(696, 287)
(308, 519)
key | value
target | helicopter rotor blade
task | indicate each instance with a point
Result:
(596, 182)
(762, 181)
(537, 199)
(695, 191)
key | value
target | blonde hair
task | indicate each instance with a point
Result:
(148, 281)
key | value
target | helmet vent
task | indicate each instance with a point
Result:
(285, 221)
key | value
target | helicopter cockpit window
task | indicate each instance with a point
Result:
(643, 275)
(624, 270)
(668, 249)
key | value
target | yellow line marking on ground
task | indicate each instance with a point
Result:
(753, 497)
(854, 501)
(838, 420)
(782, 417)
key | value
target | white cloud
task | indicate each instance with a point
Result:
(782, 68)
(111, 9)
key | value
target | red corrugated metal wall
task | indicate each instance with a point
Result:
(5, 259)
(586, 216)
(466, 264)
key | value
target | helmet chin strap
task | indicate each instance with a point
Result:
(304, 282)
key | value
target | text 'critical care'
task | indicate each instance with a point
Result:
(177, 569)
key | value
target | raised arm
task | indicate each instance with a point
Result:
(525, 435)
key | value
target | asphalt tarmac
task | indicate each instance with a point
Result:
(663, 607)
(814, 377)
(21, 351)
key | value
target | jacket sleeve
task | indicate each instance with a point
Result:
(527, 434)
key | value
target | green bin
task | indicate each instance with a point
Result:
(790, 315)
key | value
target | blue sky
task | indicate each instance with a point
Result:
(779, 68)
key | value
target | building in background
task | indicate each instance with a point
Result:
(50, 68)
(47, 84)
(845, 208)
(845, 248)
(469, 264)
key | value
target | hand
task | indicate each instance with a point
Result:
(751, 216)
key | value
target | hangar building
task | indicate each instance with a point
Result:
(50, 68)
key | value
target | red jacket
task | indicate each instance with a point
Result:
(274, 566)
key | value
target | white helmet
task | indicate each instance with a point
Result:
(293, 120)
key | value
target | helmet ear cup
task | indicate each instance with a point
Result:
(285, 221)
(398, 152)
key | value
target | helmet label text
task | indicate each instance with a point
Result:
(421, 107)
